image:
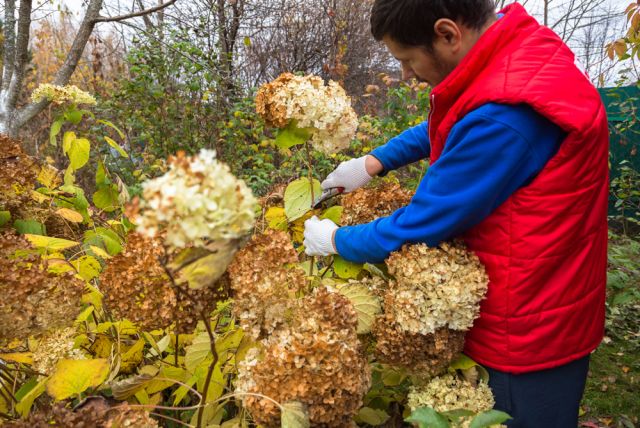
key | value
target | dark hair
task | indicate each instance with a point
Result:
(411, 22)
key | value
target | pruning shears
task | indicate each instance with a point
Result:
(327, 194)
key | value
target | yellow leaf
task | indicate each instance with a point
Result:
(276, 218)
(116, 147)
(87, 267)
(48, 176)
(72, 377)
(39, 197)
(70, 215)
(99, 252)
(50, 243)
(18, 357)
(132, 357)
(68, 138)
(366, 304)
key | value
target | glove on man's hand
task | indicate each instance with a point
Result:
(318, 237)
(351, 175)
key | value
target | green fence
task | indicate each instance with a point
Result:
(622, 105)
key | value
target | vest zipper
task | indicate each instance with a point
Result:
(433, 103)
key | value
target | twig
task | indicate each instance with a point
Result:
(133, 15)
(205, 391)
(327, 268)
(171, 419)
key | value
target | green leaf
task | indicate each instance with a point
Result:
(112, 126)
(55, 130)
(294, 415)
(28, 386)
(334, 214)
(49, 243)
(366, 304)
(292, 136)
(426, 417)
(487, 419)
(462, 363)
(116, 146)
(247, 41)
(346, 269)
(297, 197)
(29, 227)
(24, 405)
(73, 377)
(74, 116)
(101, 175)
(392, 376)
(79, 153)
(104, 238)
(372, 416)
(5, 216)
(457, 414)
(106, 198)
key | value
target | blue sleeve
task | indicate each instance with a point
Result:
(489, 154)
(410, 146)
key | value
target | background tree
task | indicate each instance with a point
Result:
(17, 30)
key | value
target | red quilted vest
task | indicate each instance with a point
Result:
(545, 248)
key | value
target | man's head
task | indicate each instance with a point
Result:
(430, 37)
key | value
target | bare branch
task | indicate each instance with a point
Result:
(135, 14)
(70, 63)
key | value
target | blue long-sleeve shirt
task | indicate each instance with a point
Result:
(489, 154)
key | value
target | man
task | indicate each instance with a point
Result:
(518, 143)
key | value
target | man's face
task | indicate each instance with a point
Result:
(419, 63)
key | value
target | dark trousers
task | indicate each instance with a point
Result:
(543, 399)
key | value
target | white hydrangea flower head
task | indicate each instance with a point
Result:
(53, 347)
(325, 109)
(197, 201)
(69, 94)
(449, 392)
(435, 287)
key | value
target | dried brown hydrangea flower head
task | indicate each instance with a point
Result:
(18, 173)
(314, 358)
(435, 287)
(367, 204)
(136, 287)
(94, 413)
(262, 284)
(424, 354)
(34, 300)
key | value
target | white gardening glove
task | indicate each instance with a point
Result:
(318, 237)
(351, 175)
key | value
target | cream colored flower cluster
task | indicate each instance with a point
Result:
(197, 201)
(449, 392)
(54, 347)
(312, 104)
(62, 94)
(435, 287)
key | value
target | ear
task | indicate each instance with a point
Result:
(448, 33)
